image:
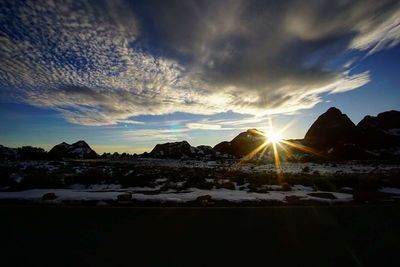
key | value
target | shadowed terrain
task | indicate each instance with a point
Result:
(291, 236)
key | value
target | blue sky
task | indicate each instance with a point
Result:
(127, 75)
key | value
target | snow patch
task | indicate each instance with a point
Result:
(190, 194)
(390, 190)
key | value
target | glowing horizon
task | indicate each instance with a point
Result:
(138, 73)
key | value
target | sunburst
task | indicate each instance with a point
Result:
(274, 139)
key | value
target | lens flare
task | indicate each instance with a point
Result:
(276, 145)
(274, 137)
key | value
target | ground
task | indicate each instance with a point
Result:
(269, 236)
(148, 212)
(146, 182)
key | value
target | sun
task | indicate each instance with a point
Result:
(274, 137)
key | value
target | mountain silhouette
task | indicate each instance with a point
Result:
(382, 131)
(242, 144)
(333, 135)
(78, 150)
(176, 150)
(330, 129)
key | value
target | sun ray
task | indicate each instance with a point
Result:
(254, 152)
(287, 151)
(302, 148)
(274, 140)
(277, 162)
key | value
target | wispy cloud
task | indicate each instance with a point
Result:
(203, 126)
(96, 64)
(131, 122)
(155, 135)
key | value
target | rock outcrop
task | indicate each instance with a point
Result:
(78, 150)
(173, 150)
(243, 144)
(331, 129)
(380, 132)
(8, 153)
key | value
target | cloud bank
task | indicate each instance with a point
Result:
(102, 62)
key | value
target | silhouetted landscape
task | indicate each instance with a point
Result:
(337, 162)
(199, 133)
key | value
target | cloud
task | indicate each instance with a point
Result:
(102, 62)
(203, 126)
(131, 122)
(155, 135)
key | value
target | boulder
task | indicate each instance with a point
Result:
(204, 200)
(226, 185)
(286, 187)
(293, 199)
(49, 196)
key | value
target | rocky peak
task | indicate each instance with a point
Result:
(80, 146)
(79, 149)
(385, 121)
(80, 143)
(333, 111)
(172, 150)
(242, 144)
(331, 128)
(382, 131)
(205, 150)
(368, 121)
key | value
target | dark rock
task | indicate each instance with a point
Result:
(350, 152)
(227, 185)
(243, 144)
(174, 150)
(204, 200)
(78, 150)
(386, 120)
(177, 150)
(124, 197)
(286, 187)
(331, 129)
(293, 199)
(205, 150)
(380, 132)
(33, 153)
(49, 196)
(59, 151)
(322, 195)
(8, 153)
(366, 196)
(224, 148)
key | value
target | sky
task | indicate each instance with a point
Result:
(127, 75)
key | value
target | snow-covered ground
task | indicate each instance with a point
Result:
(175, 184)
(172, 196)
(110, 193)
(390, 190)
